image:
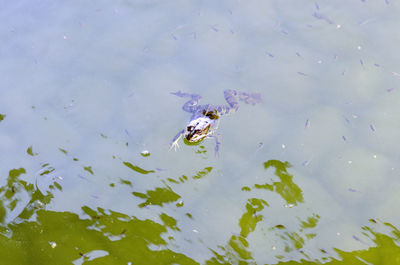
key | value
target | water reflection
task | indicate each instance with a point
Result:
(138, 169)
(385, 249)
(286, 188)
(64, 236)
(99, 235)
(20, 199)
(237, 251)
(158, 196)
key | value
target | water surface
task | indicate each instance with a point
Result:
(309, 176)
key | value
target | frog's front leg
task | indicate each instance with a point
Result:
(218, 141)
(191, 105)
(174, 143)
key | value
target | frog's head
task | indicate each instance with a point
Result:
(197, 129)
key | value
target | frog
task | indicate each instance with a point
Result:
(205, 119)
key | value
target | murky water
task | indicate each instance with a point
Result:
(310, 175)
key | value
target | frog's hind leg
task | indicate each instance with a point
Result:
(191, 105)
(230, 97)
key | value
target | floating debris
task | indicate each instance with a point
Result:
(89, 169)
(316, 6)
(298, 54)
(356, 238)
(53, 244)
(322, 17)
(30, 151)
(372, 127)
(260, 146)
(289, 205)
(389, 89)
(395, 74)
(270, 54)
(65, 152)
(344, 138)
(246, 188)
(145, 153)
(307, 124)
(301, 73)
(352, 190)
(283, 146)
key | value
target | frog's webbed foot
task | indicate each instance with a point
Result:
(250, 98)
(232, 97)
(191, 105)
(174, 143)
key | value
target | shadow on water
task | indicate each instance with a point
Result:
(30, 234)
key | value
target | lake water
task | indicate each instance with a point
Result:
(309, 176)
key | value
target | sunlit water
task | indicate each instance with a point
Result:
(311, 174)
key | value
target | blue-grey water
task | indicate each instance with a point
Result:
(310, 174)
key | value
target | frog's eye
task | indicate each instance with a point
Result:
(190, 128)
